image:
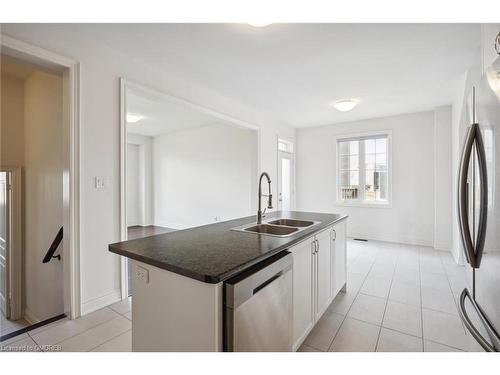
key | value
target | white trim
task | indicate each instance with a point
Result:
(95, 304)
(155, 93)
(360, 202)
(292, 141)
(28, 315)
(16, 248)
(71, 80)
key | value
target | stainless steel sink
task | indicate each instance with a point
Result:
(271, 229)
(292, 223)
(281, 227)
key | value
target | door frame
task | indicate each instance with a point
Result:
(129, 84)
(15, 245)
(71, 145)
(293, 171)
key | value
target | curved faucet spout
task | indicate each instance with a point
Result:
(270, 196)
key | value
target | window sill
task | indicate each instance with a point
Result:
(364, 204)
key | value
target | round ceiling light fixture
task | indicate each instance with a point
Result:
(133, 117)
(344, 105)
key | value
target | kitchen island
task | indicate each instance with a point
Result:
(178, 278)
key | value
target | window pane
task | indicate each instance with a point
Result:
(370, 161)
(370, 185)
(375, 186)
(382, 186)
(344, 162)
(349, 162)
(344, 178)
(381, 145)
(349, 185)
(381, 161)
(349, 147)
(369, 146)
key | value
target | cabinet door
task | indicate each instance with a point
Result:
(340, 271)
(303, 318)
(323, 267)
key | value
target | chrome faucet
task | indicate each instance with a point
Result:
(270, 197)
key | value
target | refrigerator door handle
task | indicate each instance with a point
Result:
(483, 205)
(463, 215)
(473, 330)
(473, 252)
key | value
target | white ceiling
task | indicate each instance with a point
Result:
(292, 71)
(161, 116)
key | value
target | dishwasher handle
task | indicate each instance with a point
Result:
(242, 287)
(267, 282)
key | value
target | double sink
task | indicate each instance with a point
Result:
(277, 227)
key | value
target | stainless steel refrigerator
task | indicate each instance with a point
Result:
(479, 211)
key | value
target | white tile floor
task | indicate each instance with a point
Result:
(399, 298)
(7, 326)
(108, 329)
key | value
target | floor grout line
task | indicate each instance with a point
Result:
(114, 337)
(421, 300)
(350, 306)
(86, 330)
(385, 308)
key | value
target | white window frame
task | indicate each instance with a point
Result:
(360, 202)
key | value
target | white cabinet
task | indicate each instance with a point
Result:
(319, 272)
(339, 247)
(323, 266)
(303, 318)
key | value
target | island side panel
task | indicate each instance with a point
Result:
(171, 312)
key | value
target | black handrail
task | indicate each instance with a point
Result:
(53, 247)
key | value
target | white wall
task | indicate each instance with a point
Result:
(101, 68)
(411, 218)
(142, 198)
(12, 120)
(204, 173)
(43, 184)
(443, 178)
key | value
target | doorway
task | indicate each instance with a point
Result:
(182, 166)
(286, 175)
(39, 165)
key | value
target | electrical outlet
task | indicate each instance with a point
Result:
(142, 274)
(217, 218)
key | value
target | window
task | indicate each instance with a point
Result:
(285, 146)
(363, 169)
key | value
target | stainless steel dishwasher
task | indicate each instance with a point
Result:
(258, 307)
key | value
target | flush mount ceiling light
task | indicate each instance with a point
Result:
(345, 105)
(259, 24)
(133, 117)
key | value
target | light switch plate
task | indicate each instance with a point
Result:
(101, 182)
(142, 274)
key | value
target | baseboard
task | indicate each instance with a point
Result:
(401, 240)
(442, 248)
(100, 302)
(171, 225)
(30, 317)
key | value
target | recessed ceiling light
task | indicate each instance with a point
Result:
(345, 105)
(259, 24)
(133, 117)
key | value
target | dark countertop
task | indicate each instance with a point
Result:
(213, 253)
